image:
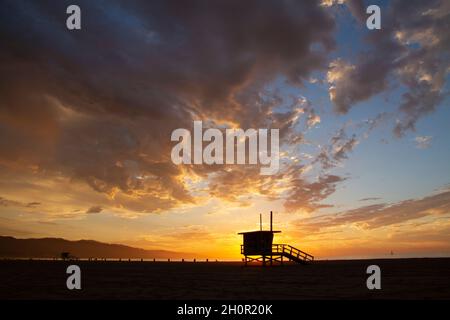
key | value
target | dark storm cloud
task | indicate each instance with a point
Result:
(411, 47)
(99, 104)
(358, 9)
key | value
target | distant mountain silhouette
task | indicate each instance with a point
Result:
(52, 247)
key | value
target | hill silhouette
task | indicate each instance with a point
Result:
(11, 247)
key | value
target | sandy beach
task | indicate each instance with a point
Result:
(400, 279)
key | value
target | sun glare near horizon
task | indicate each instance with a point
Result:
(360, 118)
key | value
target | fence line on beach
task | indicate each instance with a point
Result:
(92, 259)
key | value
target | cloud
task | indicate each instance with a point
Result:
(10, 227)
(94, 209)
(7, 231)
(383, 214)
(103, 111)
(439, 234)
(356, 7)
(306, 196)
(337, 150)
(369, 199)
(33, 204)
(342, 78)
(423, 142)
(7, 203)
(412, 48)
(98, 107)
(14, 203)
(191, 232)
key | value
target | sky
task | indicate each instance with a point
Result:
(86, 118)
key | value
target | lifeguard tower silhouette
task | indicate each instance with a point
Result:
(258, 246)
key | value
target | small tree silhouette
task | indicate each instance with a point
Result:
(65, 255)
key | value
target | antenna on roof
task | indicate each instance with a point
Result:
(270, 221)
(260, 222)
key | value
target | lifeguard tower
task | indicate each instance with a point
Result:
(258, 246)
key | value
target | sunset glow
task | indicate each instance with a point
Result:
(86, 119)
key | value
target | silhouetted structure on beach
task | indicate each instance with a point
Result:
(259, 246)
(67, 256)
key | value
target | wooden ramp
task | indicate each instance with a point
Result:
(291, 253)
(278, 252)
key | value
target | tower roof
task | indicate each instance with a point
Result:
(260, 231)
